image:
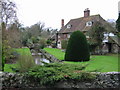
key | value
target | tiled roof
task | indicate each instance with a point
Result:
(80, 24)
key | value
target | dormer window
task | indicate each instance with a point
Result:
(89, 23)
(69, 26)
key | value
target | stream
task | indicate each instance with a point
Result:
(40, 59)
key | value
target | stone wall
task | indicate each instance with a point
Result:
(49, 56)
(115, 48)
(103, 80)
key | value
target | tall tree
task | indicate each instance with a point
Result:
(36, 29)
(96, 34)
(7, 17)
(118, 23)
(14, 36)
(8, 11)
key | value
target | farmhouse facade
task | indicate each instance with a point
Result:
(84, 24)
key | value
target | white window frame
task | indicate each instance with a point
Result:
(89, 23)
(69, 26)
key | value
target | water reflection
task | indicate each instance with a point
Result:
(40, 59)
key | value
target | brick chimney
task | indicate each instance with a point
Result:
(62, 23)
(86, 12)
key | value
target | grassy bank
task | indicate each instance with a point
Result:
(58, 53)
(23, 51)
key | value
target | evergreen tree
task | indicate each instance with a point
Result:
(118, 23)
(77, 48)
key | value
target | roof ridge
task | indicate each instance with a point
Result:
(85, 17)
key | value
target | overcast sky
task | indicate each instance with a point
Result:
(52, 11)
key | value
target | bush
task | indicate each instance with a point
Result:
(77, 49)
(25, 62)
(42, 43)
(64, 44)
(48, 42)
(34, 39)
(54, 72)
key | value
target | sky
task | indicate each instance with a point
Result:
(51, 12)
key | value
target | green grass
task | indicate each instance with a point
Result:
(7, 67)
(24, 51)
(21, 51)
(102, 63)
(55, 52)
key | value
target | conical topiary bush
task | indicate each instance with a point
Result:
(77, 49)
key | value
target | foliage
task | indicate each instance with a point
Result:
(34, 35)
(25, 37)
(64, 44)
(42, 43)
(118, 34)
(6, 50)
(77, 49)
(34, 39)
(6, 53)
(96, 33)
(25, 59)
(49, 42)
(8, 14)
(102, 63)
(14, 38)
(1, 60)
(25, 62)
(92, 47)
(54, 72)
(55, 52)
(118, 24)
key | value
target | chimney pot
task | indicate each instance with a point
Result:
(86, 12)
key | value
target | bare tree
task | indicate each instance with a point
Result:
(36, 29)
(8, 11)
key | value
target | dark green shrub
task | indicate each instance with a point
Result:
(77, 49)
(64, 44)
(49, 42)
(54, 72)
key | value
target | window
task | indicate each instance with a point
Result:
(68, 36)
(69, 26)
(58, 42)
(89, 23)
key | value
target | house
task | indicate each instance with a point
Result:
(84, 25)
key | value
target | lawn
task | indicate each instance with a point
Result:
(102, 63)
(7, 67)
(58, 53)
(24, 51)
(21, 51)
